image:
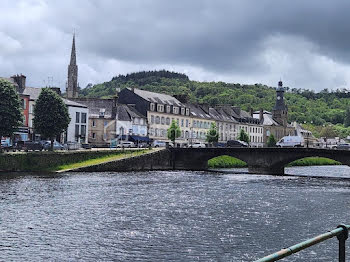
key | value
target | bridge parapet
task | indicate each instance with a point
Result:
(259, 160)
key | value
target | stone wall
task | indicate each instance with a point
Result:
(44, 161)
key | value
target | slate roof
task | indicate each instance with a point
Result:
(34, 92)
(267, 118)
(127, 113)
(95, 106)
(157, 97)
(10, 80)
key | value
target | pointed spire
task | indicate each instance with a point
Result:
(73, 57)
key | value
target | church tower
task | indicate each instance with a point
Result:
(280, 111)
(72, 84)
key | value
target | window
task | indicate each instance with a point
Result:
(194, 123)
(186, 122)
(24, 120)
(152, 106)
(141, 121)
(77, 117)
(76, 130)
(182, 111)
(151, 132)
(168, 109)
(175, 110)
(157, 120)
(83, 130)
(24, 105)
(168, 121)
(160, 108)
(93, 123)
(83, 118)
(152, 119)
(93, 135)
(102, 112)
(187, 112)
(31, 109)
(136, 120)
(182, 122)
(163, 120)
(105, 123)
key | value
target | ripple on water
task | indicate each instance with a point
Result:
(161, 216)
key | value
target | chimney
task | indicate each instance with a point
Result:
(251, 112)
(261, 115)
(20, 80)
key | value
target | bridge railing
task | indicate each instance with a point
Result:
(341, 232)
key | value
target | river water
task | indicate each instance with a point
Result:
(171, 216)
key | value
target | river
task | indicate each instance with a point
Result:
(171, 216)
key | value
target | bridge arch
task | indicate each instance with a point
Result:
(259, 160)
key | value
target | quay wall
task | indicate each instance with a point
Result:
(46, 161)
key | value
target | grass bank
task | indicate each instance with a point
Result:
(98, 160)
(230, 162)
(61, 160)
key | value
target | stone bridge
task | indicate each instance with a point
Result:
(259, 160)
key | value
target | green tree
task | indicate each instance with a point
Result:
(212, 135)
(174, 131)
(10, 109)
(347, 117)
(51, 116)
(271, 142)
(243, 136)
(328, 132)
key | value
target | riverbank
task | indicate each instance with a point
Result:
(230, 162)
(62, 160)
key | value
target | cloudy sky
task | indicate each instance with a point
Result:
(306, 43)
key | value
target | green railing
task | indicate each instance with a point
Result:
(341, 232)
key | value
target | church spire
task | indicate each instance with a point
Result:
(73, 56)
(72, 84)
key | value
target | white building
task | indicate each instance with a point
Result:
(78, 128)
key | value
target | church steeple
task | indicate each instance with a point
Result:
(72, 84)
(280, 110)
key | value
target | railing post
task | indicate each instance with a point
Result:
(342, 238)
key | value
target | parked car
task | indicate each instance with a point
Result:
(236, 143)
(72, 146)
(290, 141)
(56, 145)
(158, 143)
(126, 144)
(345, 146)
(28, 146)
(6, 143)
(198, 145)
(219, 144)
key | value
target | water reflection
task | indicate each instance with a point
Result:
(162, 216)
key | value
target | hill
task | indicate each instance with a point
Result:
(305, 106)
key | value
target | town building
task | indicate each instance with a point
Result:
(276, 122)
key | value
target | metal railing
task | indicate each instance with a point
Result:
(341, 232)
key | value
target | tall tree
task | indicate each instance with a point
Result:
(243, 136)
(328, 132)
(347, 117)
(10, 109)
(212, 135)
(271, 142)
(174, 131)
(51, 116)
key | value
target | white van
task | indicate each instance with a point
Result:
(291, 141)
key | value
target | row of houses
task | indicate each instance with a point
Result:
(142, 116)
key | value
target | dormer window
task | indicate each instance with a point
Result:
(102, 112)
(168, 109)
(152, 106)
(175, 110)
(160, 108)
(182, 111)
(187, 112)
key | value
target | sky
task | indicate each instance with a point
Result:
(304, 43)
